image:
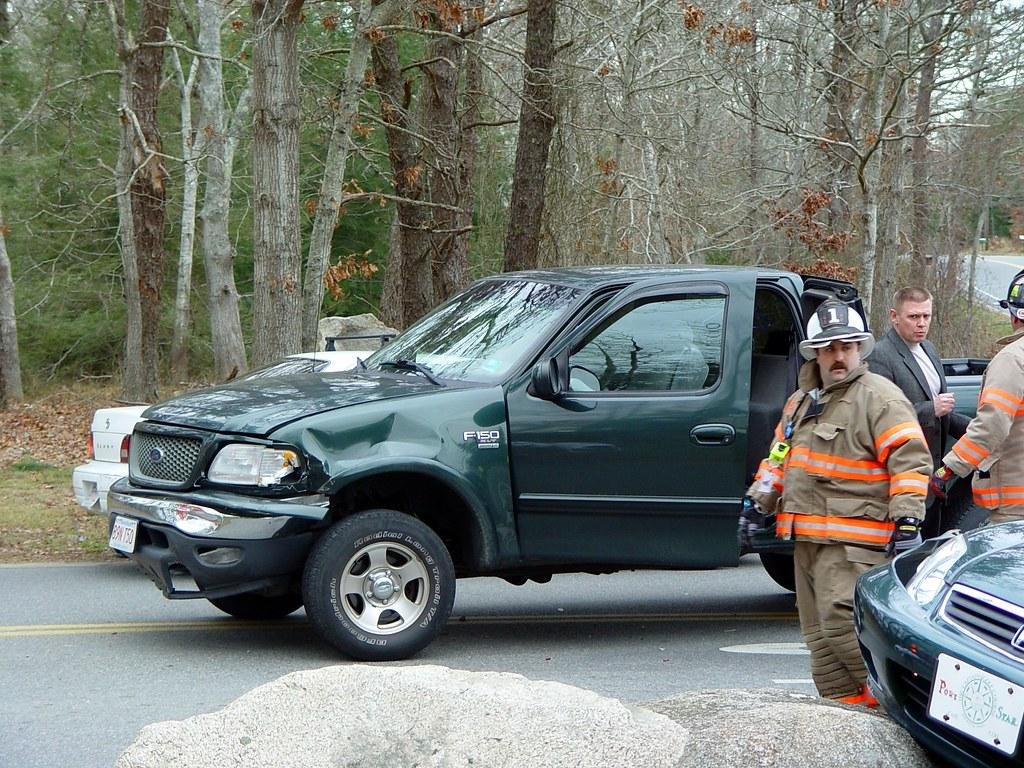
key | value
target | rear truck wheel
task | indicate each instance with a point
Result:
(379, 586)
(253, 605)
(779, 566)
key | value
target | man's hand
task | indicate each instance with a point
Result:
(944, 404)
(753, 523)
(906, 536)
(938, 483)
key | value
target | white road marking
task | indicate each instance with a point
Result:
(771, 649)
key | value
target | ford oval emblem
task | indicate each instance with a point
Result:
(156, 455)
(1018, 640)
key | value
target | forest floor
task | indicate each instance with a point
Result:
(41, 441)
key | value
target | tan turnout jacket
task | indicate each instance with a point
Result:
(857, 462)
(994, 443)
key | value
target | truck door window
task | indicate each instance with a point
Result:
(656, 345)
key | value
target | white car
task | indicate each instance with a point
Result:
(111, 430)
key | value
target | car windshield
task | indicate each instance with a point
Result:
(481, 333)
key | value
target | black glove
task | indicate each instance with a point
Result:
(753, 522)
(938, 483)
(906, 536)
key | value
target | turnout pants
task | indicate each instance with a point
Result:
(825, 578)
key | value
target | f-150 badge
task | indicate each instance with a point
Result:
(485, 438)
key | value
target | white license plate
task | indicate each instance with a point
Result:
(977, 703)
(122, 534)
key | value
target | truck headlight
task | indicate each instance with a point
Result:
(931, 572)
(241, 464)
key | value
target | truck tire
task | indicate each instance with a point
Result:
(779, 566)
(379, 586)
(253, 605)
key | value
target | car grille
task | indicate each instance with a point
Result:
(165, 458)
(987, 619)
(913, 691)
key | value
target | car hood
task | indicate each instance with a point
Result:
(259, 406)
(994, 562)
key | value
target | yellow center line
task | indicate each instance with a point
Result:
(50, 630)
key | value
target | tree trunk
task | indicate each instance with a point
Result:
(391, 313)
(10, 364)
(5, 22)
(456, 273)
(221, 139)
(919, 152)
(192, 142)
(277, 299)
(890, 244)
(536, 125)
(339, 144)
(839, 99)
(149, 194)
(437, 102)
(405, 153)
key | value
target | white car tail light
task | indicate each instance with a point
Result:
(125, 444)
(90, 448)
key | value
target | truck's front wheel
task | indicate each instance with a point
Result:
(779, 566)
(379, 585)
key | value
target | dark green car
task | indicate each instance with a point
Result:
(942, 633)
(592, 419)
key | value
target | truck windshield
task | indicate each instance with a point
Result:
(481, 333)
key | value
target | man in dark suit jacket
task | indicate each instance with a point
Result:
(905, 357)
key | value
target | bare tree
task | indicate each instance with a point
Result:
(408, 259)
(277, 300)
(10, 365)
(141, 183)
(191, 150)
(536, 124)
(371, 14)
(220, 133)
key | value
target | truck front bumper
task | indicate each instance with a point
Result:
(193, 550)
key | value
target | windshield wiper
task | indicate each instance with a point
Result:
(410, 365)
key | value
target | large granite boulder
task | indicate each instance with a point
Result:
(768, 728)
(362, 716)
(366, 325)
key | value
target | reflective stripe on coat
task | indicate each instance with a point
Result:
(854, 467)
(993, 445)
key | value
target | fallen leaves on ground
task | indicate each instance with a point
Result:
(52, 429)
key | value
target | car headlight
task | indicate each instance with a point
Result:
(241, 464)
(931, 572)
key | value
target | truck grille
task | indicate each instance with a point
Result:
(991, 621)
(165, 458)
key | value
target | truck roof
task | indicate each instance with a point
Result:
(591, 277)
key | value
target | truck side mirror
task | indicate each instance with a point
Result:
(545, 382)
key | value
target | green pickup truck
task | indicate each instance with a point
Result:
(574, 420)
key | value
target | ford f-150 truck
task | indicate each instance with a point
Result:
(574, 420)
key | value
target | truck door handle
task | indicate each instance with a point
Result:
(713, 434)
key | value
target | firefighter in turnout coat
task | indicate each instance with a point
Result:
(846, 479)
(993, 446)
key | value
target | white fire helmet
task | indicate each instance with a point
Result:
(835, 321)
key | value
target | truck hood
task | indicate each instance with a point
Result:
(260, 406)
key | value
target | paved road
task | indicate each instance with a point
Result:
(93, 652)
(993, 275)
